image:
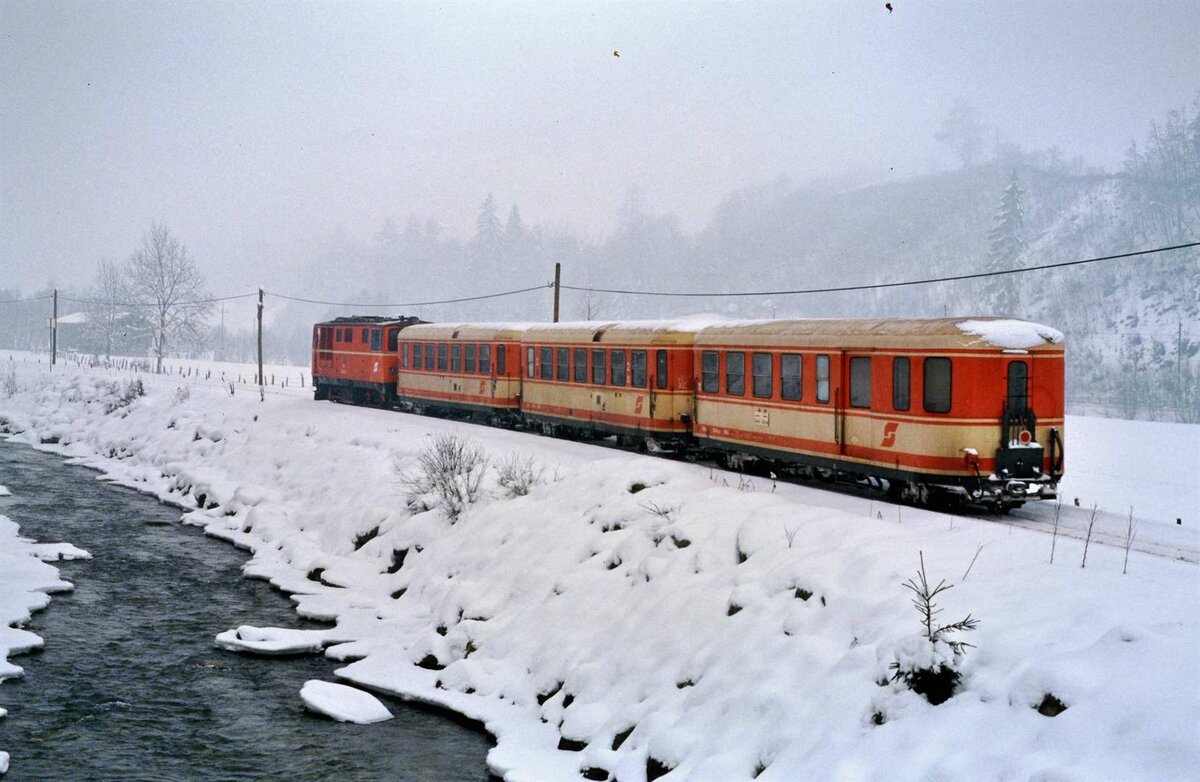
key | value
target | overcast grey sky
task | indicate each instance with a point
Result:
(254, 130)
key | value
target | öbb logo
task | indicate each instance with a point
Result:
(889, 434)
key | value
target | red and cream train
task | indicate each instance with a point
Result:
(936, 408)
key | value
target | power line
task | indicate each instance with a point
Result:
(412, 303)
(31, 298)
(152, 304)
(879, 285)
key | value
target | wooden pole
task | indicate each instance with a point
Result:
(261, 389)
(557, 288)
(54, 331)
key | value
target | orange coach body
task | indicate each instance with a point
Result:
(633, 379)
(847, 408)
(466, 368)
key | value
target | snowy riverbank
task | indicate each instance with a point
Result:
(631, 615)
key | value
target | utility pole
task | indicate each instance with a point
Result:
(54, 331)
(557, 288)
(261, 389)
(222, 331)
(1179, 353)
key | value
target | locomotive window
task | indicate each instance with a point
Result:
(860, 381)
(485, 359)
(501, 364)
(456, 358)
(365, 335)
(618, 367)
(735, 373)
(316, 336)
(822, 378)
(416, 355)
(710, 372)
(598, 367)
(469, 358)
(937, 385)
(564, 365)
(580, 357)
(790, 367)
(429, 355)
(529, 368)
(761, 366)
(901, 383)
(376, 339)
(547, 359)
(441, 356)
(1018, 387)
(337, 335)
(393, 338)
(638, 369)
(661, 380)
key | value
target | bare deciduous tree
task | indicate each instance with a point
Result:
(168, 290)
(107, 311)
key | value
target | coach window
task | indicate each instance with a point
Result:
(376, 339)
(598, 367)
(501, 363)
(580, 358)
(393, 338)
(563, 368)
(618, 368)
(469, 358)
(416, 355)
(764, 380)
(485, 359)
(860, 382)
(1018, 387)
(404, 355)
(456, 358)
(661, 379)
(637, 369)
(822, 378)
(789, 376)
(366, 335)
(735, 373)
(547, 359)
(429, 355)
(937, 385)
(441, 356)
(901, 383)
(529, 366)
(710, 372)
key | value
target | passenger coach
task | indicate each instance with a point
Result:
(931, 405)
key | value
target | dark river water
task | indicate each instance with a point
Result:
(129, 685)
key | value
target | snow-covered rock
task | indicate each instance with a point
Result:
(342, 703)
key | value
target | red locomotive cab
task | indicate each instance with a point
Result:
(355, 359)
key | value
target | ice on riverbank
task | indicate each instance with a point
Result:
(272, 641)
(342, 703)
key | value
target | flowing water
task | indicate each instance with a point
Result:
(129, 685)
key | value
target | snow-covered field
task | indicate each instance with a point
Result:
(631, 615)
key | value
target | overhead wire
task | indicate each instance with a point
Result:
(879, 285)
(413, 303)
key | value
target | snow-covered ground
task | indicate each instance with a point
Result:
(631, 615)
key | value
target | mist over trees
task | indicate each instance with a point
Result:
(1131, 324)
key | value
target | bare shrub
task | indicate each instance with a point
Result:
(181, 394)
(516, 475)
(121, 395)
(8, 382)
(449, 475)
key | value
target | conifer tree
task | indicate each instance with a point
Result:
(1005, 245)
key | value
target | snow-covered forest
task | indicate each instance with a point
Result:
(1132, 325)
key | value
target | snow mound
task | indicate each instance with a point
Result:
(342, 703)
(1012, 334)
(3, 762)
(4, 492)
(54, 552)
(272, 641)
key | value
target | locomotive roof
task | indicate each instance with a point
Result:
(1002, 333)
(371, 320)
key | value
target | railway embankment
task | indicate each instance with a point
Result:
(609, 615)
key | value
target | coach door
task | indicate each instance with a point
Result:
(856, 427)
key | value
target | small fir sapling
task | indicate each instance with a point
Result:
(930, 668)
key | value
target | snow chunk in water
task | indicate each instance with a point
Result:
(1012, 334)
(272, 640)
(342, 703)
(4, 492)
(53, 552)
